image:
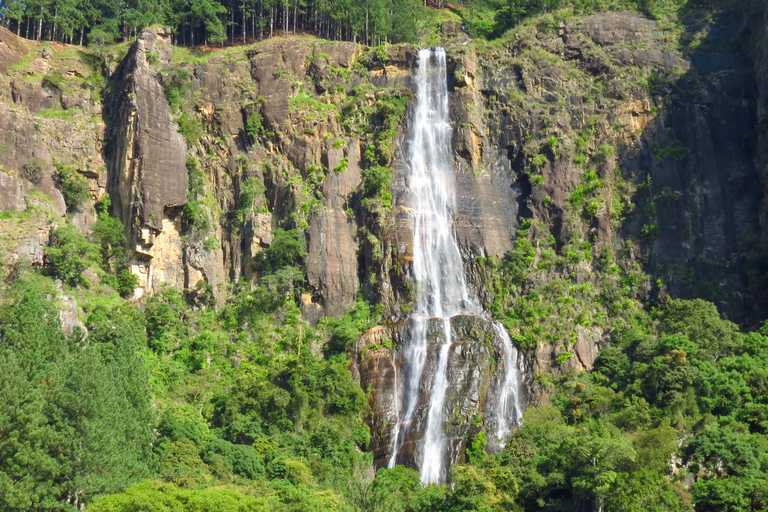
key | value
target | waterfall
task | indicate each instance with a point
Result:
(510, 388)
(438, 271)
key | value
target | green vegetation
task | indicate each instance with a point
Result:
(253, 126)
(310, 107)
(175, 404)
(73, 185)
(211, 21)
(71, 254)
(76, 411)
(492, 18)
(676, 151)
(249, 416)
(250, 199)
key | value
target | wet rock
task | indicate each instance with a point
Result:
(473, 372)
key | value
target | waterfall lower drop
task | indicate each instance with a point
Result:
(510, 388)
(438, 272)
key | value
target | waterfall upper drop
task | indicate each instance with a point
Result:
(442, 295)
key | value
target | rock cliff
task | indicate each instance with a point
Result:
(147, 157)
(591, 153)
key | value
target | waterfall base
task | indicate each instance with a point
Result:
(475, 376)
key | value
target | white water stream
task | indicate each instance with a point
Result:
(438, 272)
(509, 398)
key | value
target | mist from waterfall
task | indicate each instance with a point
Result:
(438, 273)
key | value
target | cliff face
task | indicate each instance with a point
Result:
(611, 155)
(589, 153)
(758, 50)
(148, 173)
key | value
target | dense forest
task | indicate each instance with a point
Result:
(175, 407)
(173, 403)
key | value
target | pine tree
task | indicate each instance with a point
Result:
(29, 474)
(205, 13)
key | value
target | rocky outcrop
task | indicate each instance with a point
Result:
(38, 130)
(11, 49)
(11, 195)
(332, 268)
(148, 175)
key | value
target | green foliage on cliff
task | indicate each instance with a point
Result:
(74, 187)
(70, 254)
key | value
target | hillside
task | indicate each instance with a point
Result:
(211, 284)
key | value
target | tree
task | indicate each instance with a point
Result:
(29, 473)
(81, 419)
(70, 254)
(205, 13)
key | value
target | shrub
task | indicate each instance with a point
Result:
(649, 230)
(190, 126)
(676, 151)
(70, 254)
(253, 125)
(539, 161)
(288, 249)
(74, 186)
(54, 80)
(153, 58)
(251, 189)
(126, 282)
(376, 183)
(108, 235)
(195, 214)
(342, 166)
(32, 171)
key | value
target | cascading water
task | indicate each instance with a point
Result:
(438, 272)
(509, 398)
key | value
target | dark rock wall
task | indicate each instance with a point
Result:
(758, 51)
